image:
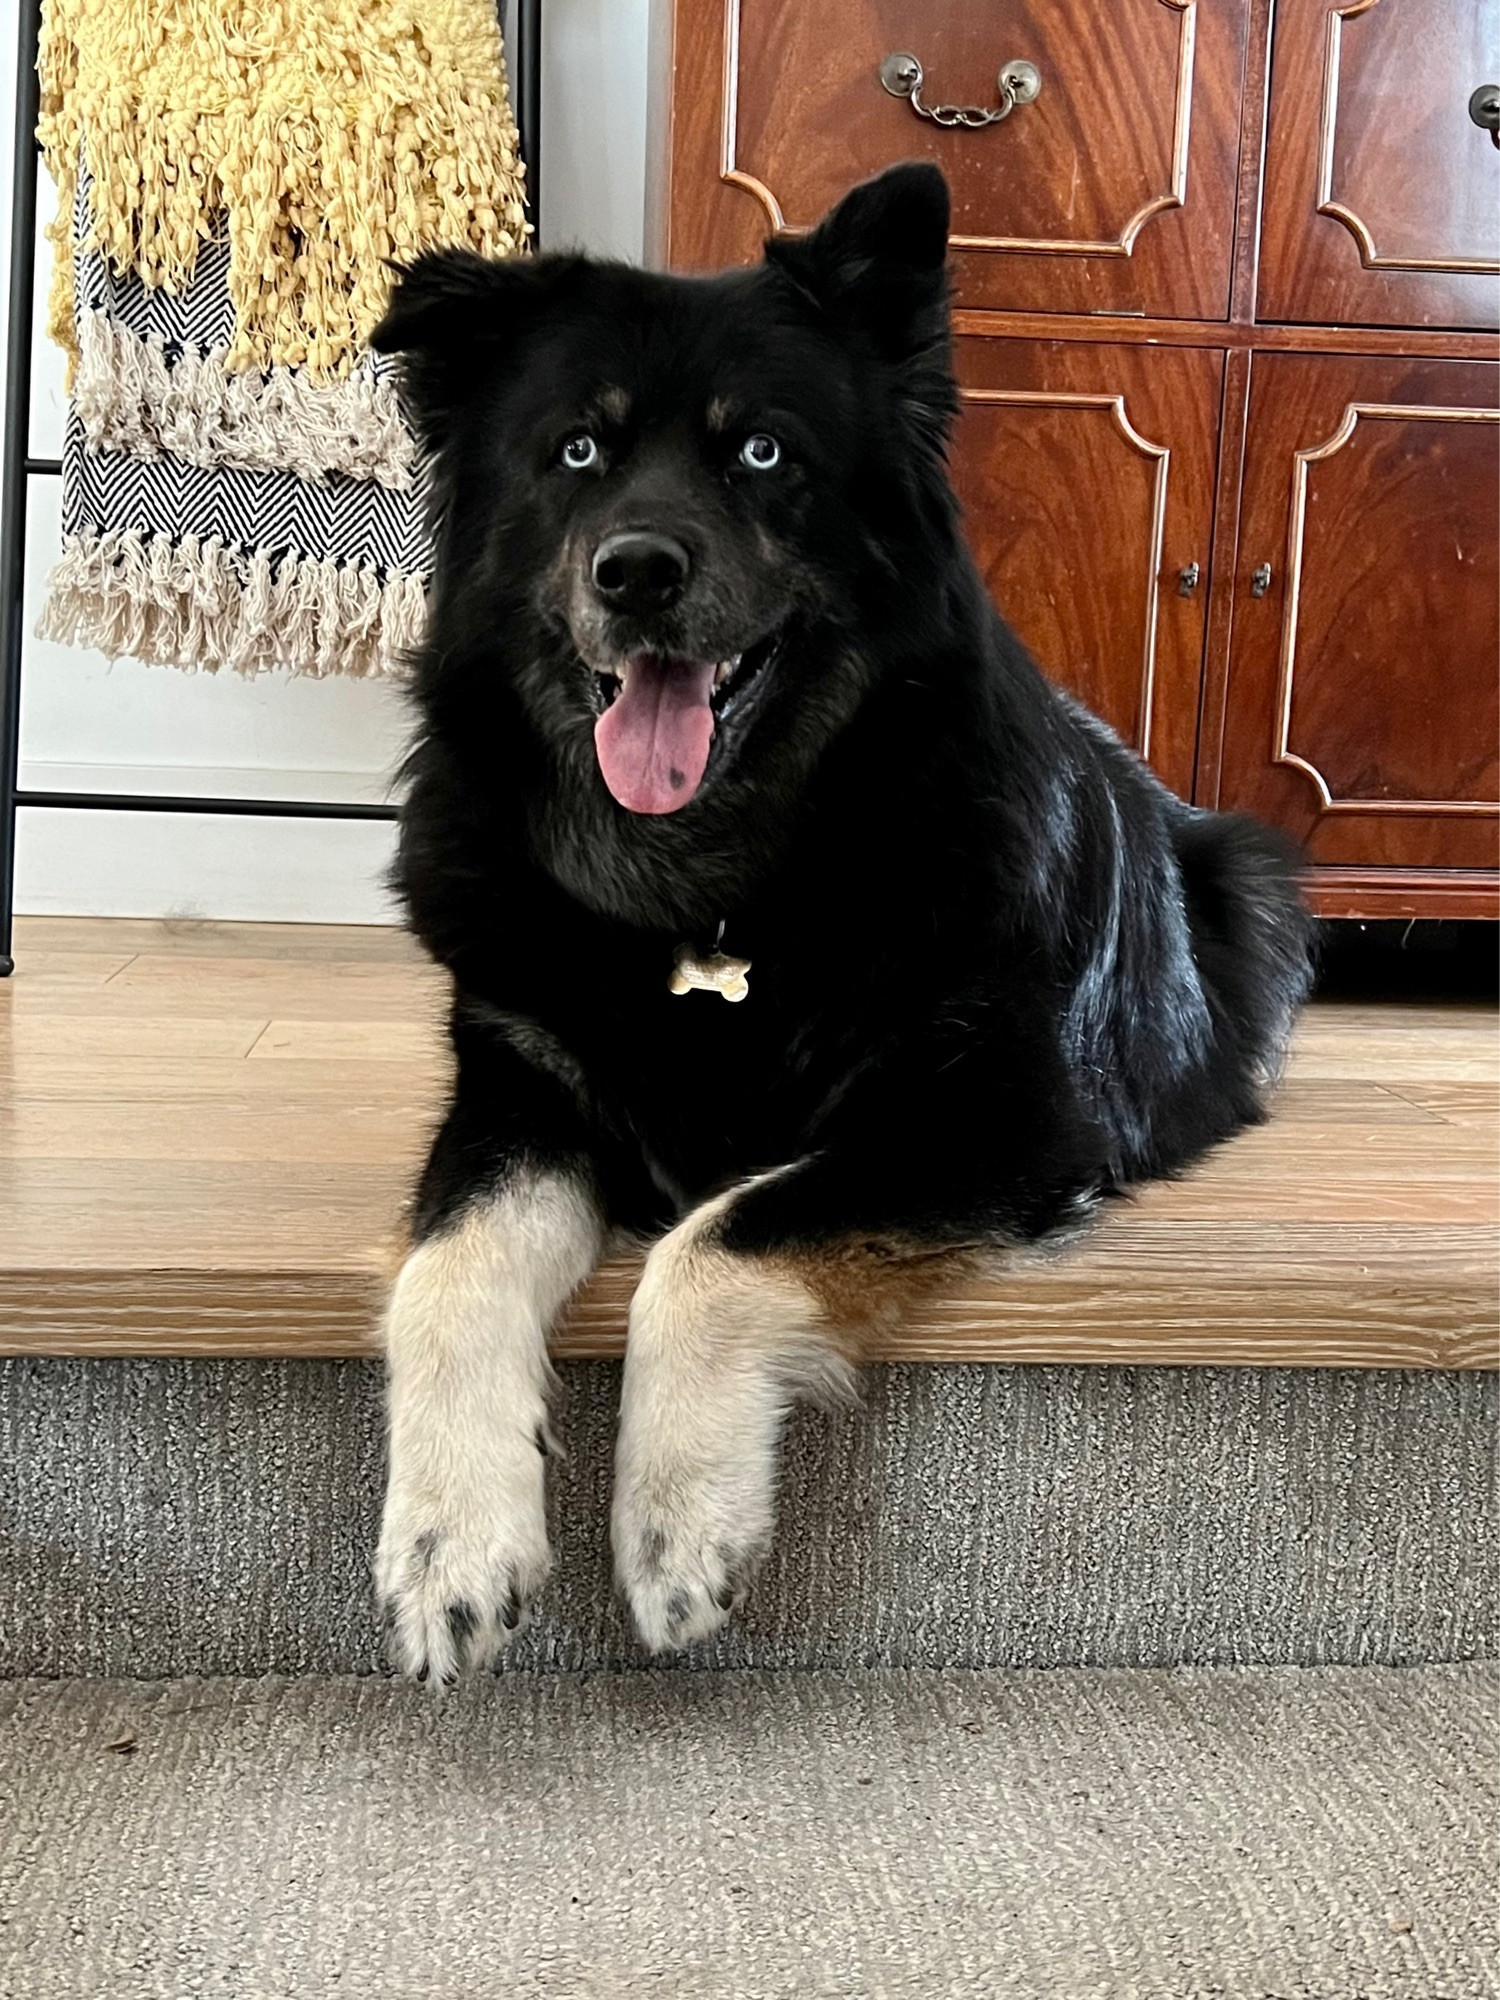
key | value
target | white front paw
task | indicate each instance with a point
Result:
(720, 1346)
(688, 1538)
(460, 1558)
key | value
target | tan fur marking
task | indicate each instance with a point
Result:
(869, 1284)
(722, 1343)
(615, 403)
(720, 414)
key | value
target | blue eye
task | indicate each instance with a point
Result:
(580, 453)
(760, 453)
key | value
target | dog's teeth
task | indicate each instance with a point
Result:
(722, 672)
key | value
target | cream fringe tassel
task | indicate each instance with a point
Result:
(131, 399)
(331, 135)
(212, 604)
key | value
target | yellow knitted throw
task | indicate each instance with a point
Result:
(325, 137)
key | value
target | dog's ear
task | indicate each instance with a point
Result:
(878, 260)
(877, 267)
(449, 314)
(443, 300)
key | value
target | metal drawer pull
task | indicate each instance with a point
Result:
(1260, 579)
(1187, 579)
(1484, 109)
(1019, 83)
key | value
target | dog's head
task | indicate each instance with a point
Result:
(672, 506)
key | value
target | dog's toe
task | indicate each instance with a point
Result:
(454, 1597)
(682, 1581)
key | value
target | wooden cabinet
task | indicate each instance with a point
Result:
(1228, 452)
(1065, 443)
(1112, 190)
(1364, 699)
(1382, 197)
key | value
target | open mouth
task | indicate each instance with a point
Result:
(657, 717)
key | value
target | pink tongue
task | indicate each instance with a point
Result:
(654, 737)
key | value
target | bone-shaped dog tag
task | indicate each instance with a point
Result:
(717, 973)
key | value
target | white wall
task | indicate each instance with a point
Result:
(87, 725)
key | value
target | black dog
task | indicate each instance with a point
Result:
(711, 677)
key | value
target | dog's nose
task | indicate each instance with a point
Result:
(635, 570)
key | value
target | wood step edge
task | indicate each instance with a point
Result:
(1043, 1315)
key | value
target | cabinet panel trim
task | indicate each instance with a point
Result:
(1122, 245)
(1356, 225)
(1161, 454)
(1281, 751)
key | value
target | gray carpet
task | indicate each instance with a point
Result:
(169, 1517)
(1224, 1835)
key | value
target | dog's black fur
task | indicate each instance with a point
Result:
(997, 969)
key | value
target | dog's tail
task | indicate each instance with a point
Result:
(1252, 932)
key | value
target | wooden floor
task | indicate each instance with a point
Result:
(206, 1133)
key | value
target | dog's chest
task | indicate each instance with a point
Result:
(710, 1088)
(694, 1085)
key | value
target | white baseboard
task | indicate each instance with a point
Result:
(92, 863)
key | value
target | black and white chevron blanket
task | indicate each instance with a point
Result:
(215, 519)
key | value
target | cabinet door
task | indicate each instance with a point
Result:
(1382, 195)
(1086, 475)
(1362, 710)
(1113, 190)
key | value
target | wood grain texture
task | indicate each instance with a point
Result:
(1234, 335)
(1362, 706)
(1401, 529)
(1381, 194)
(122, 938)
(1059, 444)
(205, 1201)
(1115, 189)
(1223, 567)
(1453, 893)
(1254, 108)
